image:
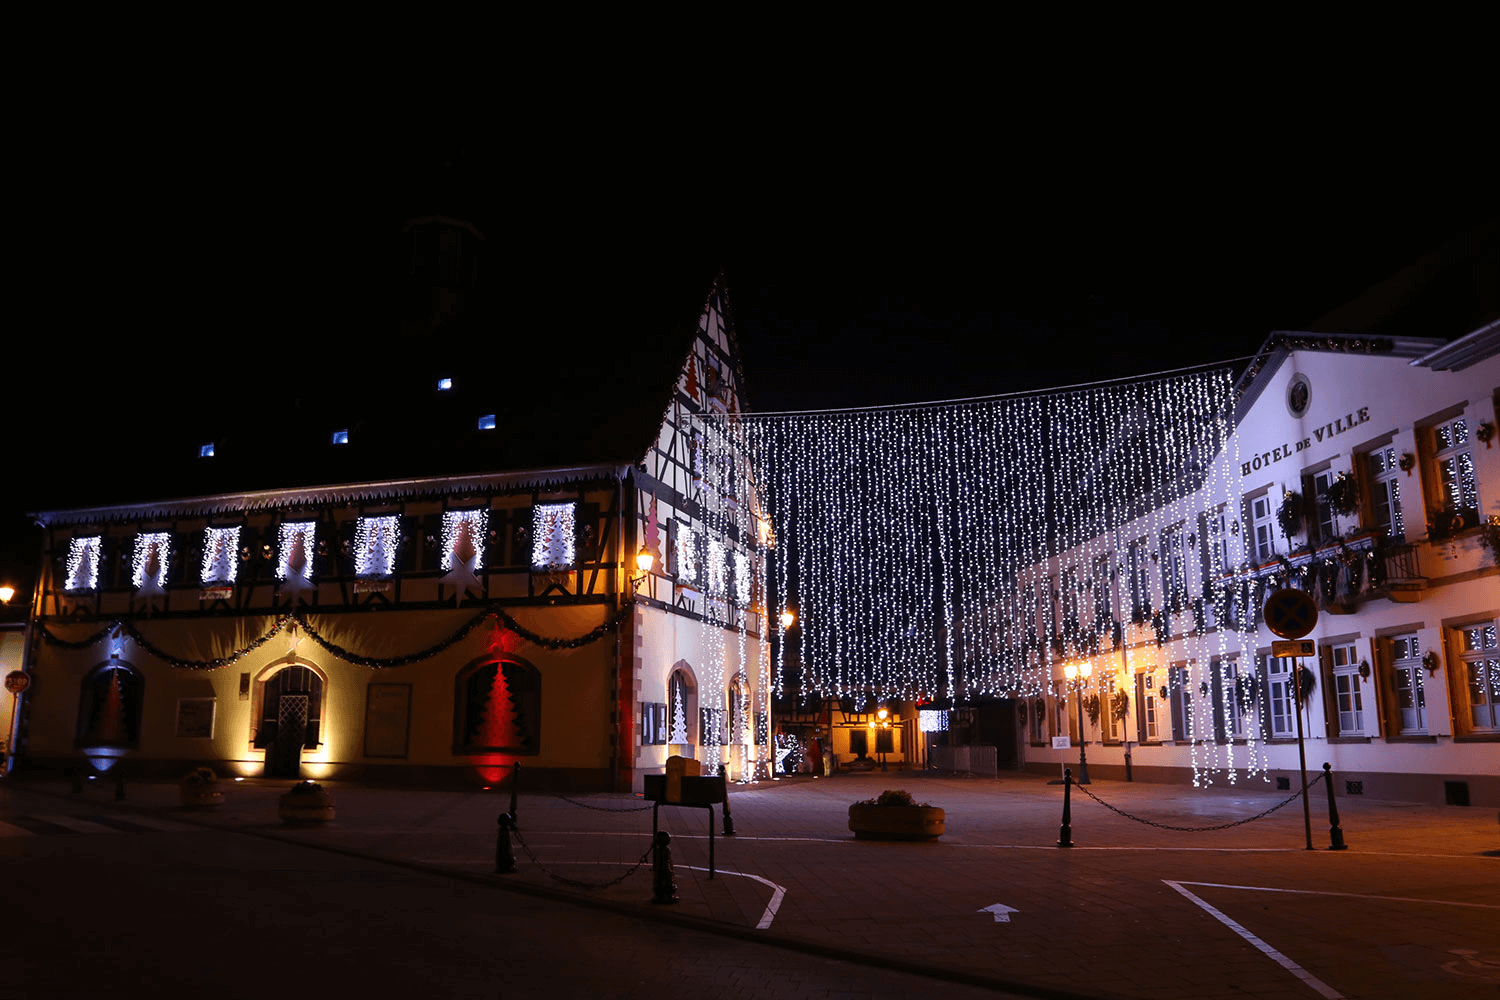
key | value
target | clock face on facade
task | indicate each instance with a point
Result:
(1298, 395)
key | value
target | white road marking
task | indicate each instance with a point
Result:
(777, 893)
(1286, 963)
(1351, 895)
(6, 830)
(1001, 911)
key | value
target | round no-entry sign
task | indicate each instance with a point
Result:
(17, 681)
(1291, 613)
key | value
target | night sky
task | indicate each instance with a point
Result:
(200, 271)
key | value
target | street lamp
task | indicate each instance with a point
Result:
(1078, 675)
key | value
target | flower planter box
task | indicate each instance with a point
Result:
(897, 822)
(305, 803)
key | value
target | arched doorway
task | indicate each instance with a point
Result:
(682, 710)
(290, 718)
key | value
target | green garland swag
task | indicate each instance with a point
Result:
(375, 662)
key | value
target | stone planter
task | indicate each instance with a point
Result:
(897, 822)
(306, 803)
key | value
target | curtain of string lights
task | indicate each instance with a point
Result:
(969, 549)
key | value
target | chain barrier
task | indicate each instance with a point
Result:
(578, 883)
(585, 805)
(1196, 829)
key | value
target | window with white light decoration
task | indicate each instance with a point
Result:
(1479, 656)
(375, 542)
(1452, 483)
(296, 541)
(1385, 491)
(686, 553)
(83, 563)
(148, 565)
(220, 555)
(718, 569)
(553, 534)
(464, 535)
(1411, 696)
(742, 579)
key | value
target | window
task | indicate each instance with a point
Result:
(553, 534)
(1480, 658)
(718, 568)
(148, 567)
(742, 579)
(1140, 581)
(375, 543)
(109, 706)
(465, 533)
(1320, 506)
(1101, 588)
(685, 554)
(1348, 691)
(83, 563)
(487, 422)
(1107, 709)
(296, 543)
(444, 384)
(341, 437)
(1233, 698)
(1148, 707)
(1280, 696)
(1044, 606)
(1453, 457)
(1262, 529)
(1385, 492)
(1173, 567)
(653, 724)
(221, 547)
(500, 707)
(681, 701)
(1411, 699)
(1070, 597)
(206, 450)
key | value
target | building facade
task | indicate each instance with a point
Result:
(437, 627)
(1367, 474)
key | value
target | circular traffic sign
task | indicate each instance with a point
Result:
(1291, 613)
(17, 681)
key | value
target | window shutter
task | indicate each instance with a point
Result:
(1177, 679)
(1263, 695)
(1217, 694)
(1141, 735)
(1330, 692)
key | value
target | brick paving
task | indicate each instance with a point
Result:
(1410, 910)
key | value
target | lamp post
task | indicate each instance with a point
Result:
(1078, 675)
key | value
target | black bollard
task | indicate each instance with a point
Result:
(505, 860)
(515, 779)
(1065, 835)
(1335, 835)
(119, 786)
(728, 820)
(77, 778)
(663, 882)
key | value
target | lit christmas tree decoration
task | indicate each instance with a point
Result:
(375, 541)
(148, 565)
(552, 534)
(221, 548)
(296, 542)
(83, 563)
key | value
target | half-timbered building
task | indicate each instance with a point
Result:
(434, 586)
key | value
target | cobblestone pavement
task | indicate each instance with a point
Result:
(1410, 910)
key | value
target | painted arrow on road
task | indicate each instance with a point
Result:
(1001, 911)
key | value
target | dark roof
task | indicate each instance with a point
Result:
(577, 368)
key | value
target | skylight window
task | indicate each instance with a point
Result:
(444, 384)
(341, 437)
(206, 450)
(487, 422)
